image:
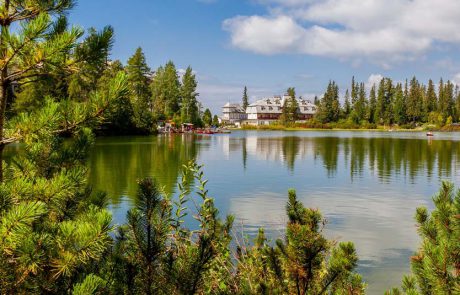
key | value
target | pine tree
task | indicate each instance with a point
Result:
(290, 108)
(120, 119)
(457, 104)
(55, 231)
(189, 104)
(30, 46)
(354, 91)
(449, 101)
(360, 104)
(372, 114)
(431, 99)
(443, 104)
(304, 262)
(245, 98)
(172, 89)
(157, 88)
(94, 51)
(138, 77)
(329, 108)
(384, 113)
(207, 117)
(399, 109)
(436, 265)
(347, 105)
(156, 254)
(414, 101)
(165, 89)
(215, 121)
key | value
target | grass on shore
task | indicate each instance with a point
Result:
(351, 127)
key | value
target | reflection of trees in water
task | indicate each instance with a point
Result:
(116, 163)
(327, 148)
(385, 156)
(290, 149)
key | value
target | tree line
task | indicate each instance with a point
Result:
(389, 103)
(153, 96)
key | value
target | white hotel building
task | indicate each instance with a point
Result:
(265, 111)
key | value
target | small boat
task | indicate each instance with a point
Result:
(429, 133)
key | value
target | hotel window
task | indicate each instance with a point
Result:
(270, 108)
(262, 108)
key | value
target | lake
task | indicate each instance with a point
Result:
(366, 184)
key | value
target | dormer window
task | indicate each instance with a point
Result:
(270, 108)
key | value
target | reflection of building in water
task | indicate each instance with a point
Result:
(265, 111)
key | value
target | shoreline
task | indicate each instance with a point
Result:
(340, 129)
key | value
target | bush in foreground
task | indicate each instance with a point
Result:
(436, 264)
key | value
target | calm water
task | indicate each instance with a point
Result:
(367, 184)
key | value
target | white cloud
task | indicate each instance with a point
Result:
(265, 35)
(374, 79)
(456, 79)
(385, 31)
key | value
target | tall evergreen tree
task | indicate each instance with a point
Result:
(371, 112)
(414, 101)
(347, 105)
(449, 100)
(166, 92)
(457, 104)
(354, 91)
(399, 109)
(245, 98)
(360, 104)
(172, 89)
(384, 102)
(189, 104)
(443, 104)
(329, 108)
(431, 99)
(157, 88)
(207, 117)
(138, 77)
(290, 108)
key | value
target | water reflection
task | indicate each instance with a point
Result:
(384, 156)
(117, 163)
(366, 184)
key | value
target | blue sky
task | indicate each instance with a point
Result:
(270, 45)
